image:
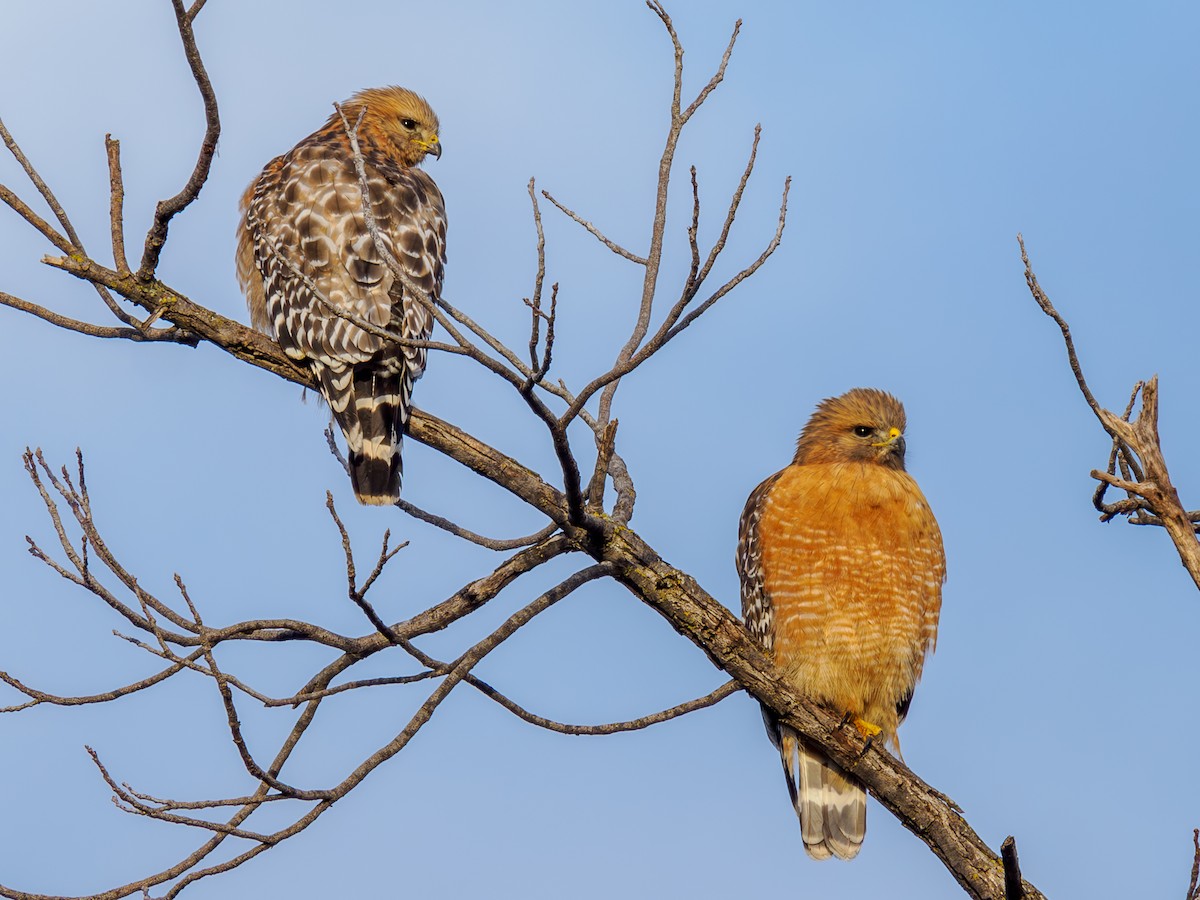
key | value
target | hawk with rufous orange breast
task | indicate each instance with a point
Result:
(841, 566)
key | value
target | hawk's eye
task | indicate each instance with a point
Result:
(408, 123)
(862, 430)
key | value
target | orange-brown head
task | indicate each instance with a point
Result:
(864, 425)
(397, 117)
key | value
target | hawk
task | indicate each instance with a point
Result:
(314, 275)
(841, 567)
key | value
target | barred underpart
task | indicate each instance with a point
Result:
(841, 566)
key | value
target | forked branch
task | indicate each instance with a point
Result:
(1151, 498)
(166, 210)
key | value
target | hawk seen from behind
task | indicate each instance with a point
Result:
(841, 566)
(305, 254)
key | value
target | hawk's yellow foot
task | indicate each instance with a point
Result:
(865, 728)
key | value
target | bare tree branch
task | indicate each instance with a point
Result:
(72, 239)
(658, 229)
(1136, 446)
(21, 209)
(71, 244)
(710, 699)
(595, 232)
(669, 330)
(116, 214)
(458, 531)
(1043, 301)
(39, 697)
(172, 335)
(168, 209)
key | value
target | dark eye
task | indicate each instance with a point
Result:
(408, 123)
(862, 430)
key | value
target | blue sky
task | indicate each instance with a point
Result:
(1060, 706)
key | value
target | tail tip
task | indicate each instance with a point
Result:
(376, 482)
(385, 499)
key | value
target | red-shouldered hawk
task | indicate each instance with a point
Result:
(841, 565)
(304, 247)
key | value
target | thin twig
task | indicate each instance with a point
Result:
(710, 699)
(171, 335)
(595, 232)
(166, 210)
(669, 331)
(458, 531)
(129, 802)
(679, 118)
(41, 225)
(731, 213)
(535, 301)
(1048, 308)
(38, 697)
(352, 589)
(1130, 470)
(605, 445)
(73, 244)
(43, 189)
(116, 215)
(542, 366)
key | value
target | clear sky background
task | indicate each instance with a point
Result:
(1061, 704)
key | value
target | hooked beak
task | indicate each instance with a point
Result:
(893, 444)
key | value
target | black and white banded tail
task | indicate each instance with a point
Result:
(371, 407)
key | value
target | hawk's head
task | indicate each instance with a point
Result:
(403, 118)
(864, 425)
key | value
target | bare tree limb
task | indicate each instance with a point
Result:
(71, 244)
(172, 335)
(166, 210)
(39, 697)
(669, 331)
(22, 209)
(458, 531)
(595, 232)
(1136, 446)
(709, 699)
(1043, 301)
(658, 229)
(116, 215)
(72, 239)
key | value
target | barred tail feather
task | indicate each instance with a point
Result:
(831, 805)
(371, 409)
(375, 470)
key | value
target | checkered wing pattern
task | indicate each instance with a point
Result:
(319, 281)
